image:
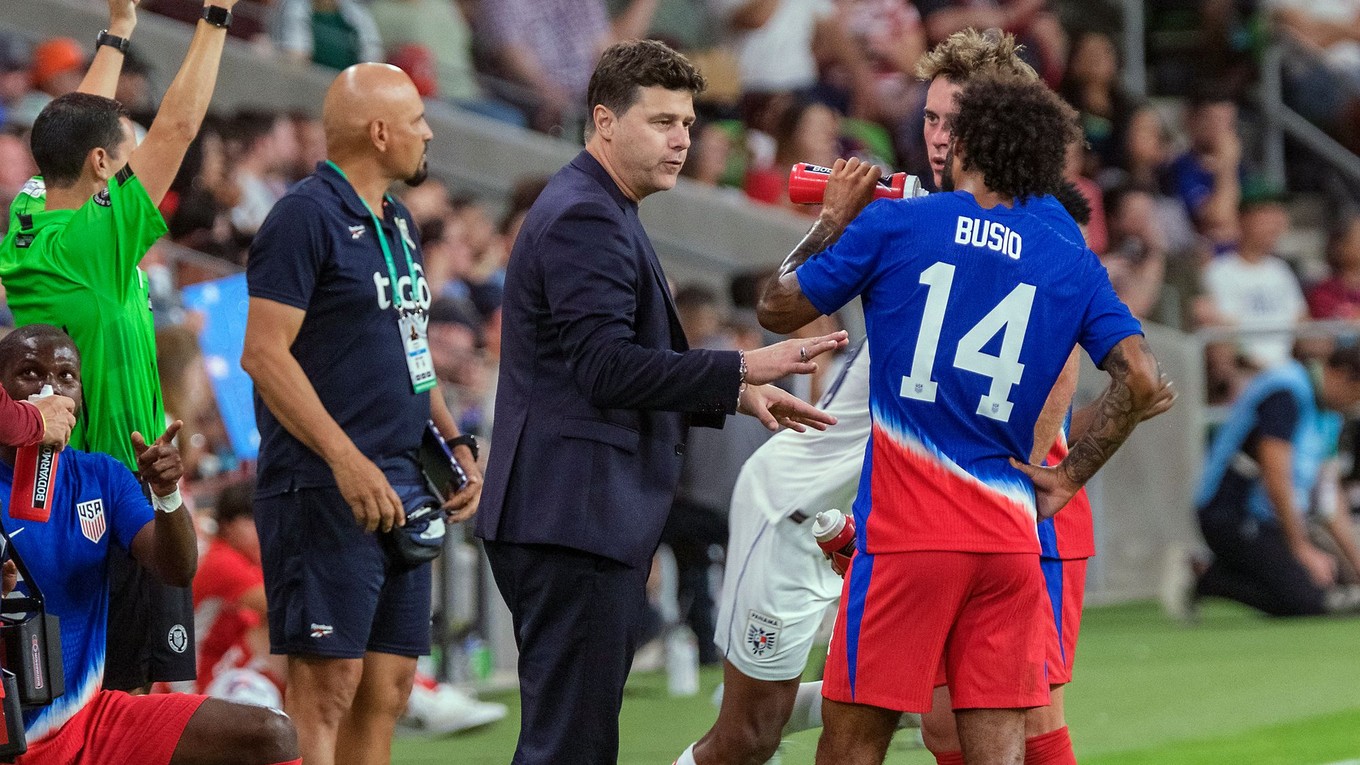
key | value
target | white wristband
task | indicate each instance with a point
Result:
(169, 503)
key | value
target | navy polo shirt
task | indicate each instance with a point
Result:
(317, 251)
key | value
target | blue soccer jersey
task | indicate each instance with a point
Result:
(96, 501)
(972, 314)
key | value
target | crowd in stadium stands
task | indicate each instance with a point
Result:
(1191, 234)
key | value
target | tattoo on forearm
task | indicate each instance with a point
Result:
(1116, 416)
(821, 236)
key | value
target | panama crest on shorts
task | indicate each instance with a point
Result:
(762, 634)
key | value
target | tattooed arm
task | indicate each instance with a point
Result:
(783, 307)
(1134, 390)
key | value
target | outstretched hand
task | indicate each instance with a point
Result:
(776, 407)
(159, 462)
(1052, 488)
(790, 357)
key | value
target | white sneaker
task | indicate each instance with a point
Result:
(650, 656)
(445, 709)
(909, 720)
(1178, 586)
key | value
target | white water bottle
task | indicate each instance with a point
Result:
(682, 662)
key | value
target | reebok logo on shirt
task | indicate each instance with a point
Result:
(357, 231)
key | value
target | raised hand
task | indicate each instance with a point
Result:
(58, 416)
(776, 407)
(122, 17)
(159, 462)
(790, 357)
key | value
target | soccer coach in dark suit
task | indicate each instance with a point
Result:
(597, 389)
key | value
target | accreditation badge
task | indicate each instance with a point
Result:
(413, 339)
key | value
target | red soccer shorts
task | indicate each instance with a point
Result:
(118, 729)
(983, 616)
(1065, 582)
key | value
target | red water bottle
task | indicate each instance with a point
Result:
(835, 533)
(807, 184)
(35, 478)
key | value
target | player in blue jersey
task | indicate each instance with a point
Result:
(952, 286)
(98, 504)
(777, 581)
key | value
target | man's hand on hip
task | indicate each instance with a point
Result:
(370, 497)
(1053, 489)
(791, 357)
(777, 407)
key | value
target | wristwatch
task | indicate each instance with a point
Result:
(217, 16)
(113, 41)
(468, 440)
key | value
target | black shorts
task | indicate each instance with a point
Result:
(332, 589)
(151, 628)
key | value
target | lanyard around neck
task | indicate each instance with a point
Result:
(384, 246)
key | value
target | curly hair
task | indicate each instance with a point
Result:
(1015, 132)
(628, 66)
(1074, 202)
(968, 53)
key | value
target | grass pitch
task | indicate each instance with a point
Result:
(1237, 689)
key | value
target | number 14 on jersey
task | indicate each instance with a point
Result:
(1010, 316)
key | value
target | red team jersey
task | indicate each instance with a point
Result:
(224, 575)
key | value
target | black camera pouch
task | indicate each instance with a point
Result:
(30, 639)
(12, 739)
(32, 651)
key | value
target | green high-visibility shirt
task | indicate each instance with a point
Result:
(77, 269)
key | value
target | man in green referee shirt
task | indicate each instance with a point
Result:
(77, 235)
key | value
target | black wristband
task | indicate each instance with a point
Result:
(113, 41)
(217, 16)
(468, 440)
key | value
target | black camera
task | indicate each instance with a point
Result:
(30, 653)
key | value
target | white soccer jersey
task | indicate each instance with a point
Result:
(812, 471)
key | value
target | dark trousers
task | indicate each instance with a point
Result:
(690, 531)
(1253, 565)
(576, 618)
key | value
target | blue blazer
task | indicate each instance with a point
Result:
(597, 385)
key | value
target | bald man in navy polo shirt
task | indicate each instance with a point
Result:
(335, 343)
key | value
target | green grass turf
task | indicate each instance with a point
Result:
(1237, 689)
